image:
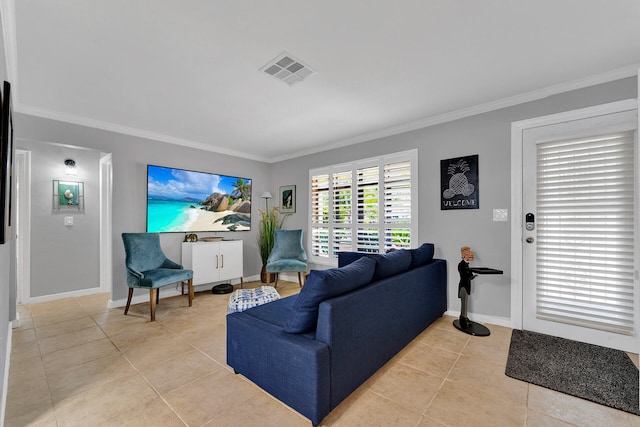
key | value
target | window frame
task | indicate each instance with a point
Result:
(382, 226)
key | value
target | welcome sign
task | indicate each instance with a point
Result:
(459, 183)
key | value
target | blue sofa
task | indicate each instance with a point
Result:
(313, 349)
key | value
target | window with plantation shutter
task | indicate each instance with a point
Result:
(585, 218)
(365, 206)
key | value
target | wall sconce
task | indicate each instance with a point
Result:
(266, 196)
(70, 167)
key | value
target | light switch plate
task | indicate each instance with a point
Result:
(68, 221)
(500, 214)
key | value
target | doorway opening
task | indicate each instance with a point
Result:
(101, 176)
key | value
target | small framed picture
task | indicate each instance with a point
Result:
(68, 195)
(288, 199)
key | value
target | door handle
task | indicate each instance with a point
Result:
(529, 239)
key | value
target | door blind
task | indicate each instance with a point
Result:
(585, 232)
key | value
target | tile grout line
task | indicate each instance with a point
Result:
(443, 383)
(154, 389)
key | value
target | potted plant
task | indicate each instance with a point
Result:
(270, 220)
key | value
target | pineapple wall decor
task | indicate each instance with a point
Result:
(459, 183)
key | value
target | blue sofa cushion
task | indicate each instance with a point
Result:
(422, 255)
(391, 263)
(325, 284)
(346, 258)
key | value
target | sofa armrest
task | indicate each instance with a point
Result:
(293, 368)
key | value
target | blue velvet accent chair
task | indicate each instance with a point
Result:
(149, 268)
(288, 254)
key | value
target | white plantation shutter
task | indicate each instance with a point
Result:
(368, 194)
(371, 202)
(397, 204)
(368, 209)
(585, 229)
(320, 215)
(342, 211)
(341, 200)
(397, 193)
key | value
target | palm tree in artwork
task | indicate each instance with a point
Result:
(241, 188)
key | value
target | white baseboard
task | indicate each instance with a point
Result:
(253, 278)
(16, 323)
(169, 291)
(5, 382)
(291, 277)
(53, 297)
(484, 318)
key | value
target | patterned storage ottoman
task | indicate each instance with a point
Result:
(243, 299)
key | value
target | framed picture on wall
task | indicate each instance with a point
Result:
(288, 199)
(68, 195)
(459, 184)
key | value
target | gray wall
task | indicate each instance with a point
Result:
(63, 258)
(7, 268)
(489, 136)
(130, 156)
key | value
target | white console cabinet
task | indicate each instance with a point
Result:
(213, 261)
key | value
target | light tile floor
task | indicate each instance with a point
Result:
(76, 363)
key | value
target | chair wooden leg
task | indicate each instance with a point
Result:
(182, 291)
(126, 309)
(276, 284)
(158, 296)
(241, 283)
(300, 278)
(191, 291)
(152, 296)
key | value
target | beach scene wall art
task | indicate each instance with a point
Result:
(184, 201)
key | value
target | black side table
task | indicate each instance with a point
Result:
(463, 323)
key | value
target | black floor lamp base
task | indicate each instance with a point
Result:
(472, 328)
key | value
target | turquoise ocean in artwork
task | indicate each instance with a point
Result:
(167, 215)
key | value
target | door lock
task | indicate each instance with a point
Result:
(529, 222)
(529, 239)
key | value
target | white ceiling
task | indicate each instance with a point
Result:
(187, 71)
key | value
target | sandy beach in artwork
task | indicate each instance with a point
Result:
(200, 219)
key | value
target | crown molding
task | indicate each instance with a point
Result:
(131, 131)
(610, 76)
(621, 73)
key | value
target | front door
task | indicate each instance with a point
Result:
(579, 229)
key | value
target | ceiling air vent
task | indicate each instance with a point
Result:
(288, 69)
